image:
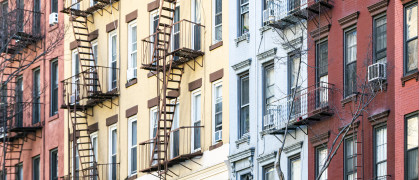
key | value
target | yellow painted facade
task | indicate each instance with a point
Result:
(210, 165)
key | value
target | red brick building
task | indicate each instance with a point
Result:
(31, 68)
(357, 37)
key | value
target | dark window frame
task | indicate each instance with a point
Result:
(36, 95)
(354, 155)
(54, 87)
(241, 14)
(34, 159)
(405, 40)
(374, 29)
(318, 45)
(239, 99)
(265, 168)
(377, 127)
(345, 65)
(52, 152)
(406, 118)
(267, 66)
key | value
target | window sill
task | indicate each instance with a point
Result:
(266, 131)
(216, 145)
(244, 139)
(54, 117)
(409, 77)
(132, 177)
(350, 98)
(53, 27)
(216, 45)
(131, 82)
(264, 29)
(241, 38)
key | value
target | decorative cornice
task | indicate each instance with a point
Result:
(320, 139)
(293, 43)
(354, 126)
(241, 65)
(379, 117)
(377, 8)
(349, 20)
(244, 139)
(293, 147)
(267, 157)
(241, 38)
(268, 53)
(241, 155)
(321, 32)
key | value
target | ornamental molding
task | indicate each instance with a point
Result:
(244, 139)
(268, 53)
(264, 158)
(293, 43)
(349, 20)
(321, 32)
(377, 8)
(245, 36)
(241, 155)
(243, 64)
(293, 147)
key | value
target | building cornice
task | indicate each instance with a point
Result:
(266, 54)
(293, 147)
(242, 65)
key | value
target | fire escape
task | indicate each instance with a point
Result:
(20, 36)
(175, 44)
(92, 86)
(310, 104)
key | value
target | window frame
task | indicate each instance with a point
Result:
(194, 95)
(214, 25)
(241, 106)
(19, 98)
(317, 165)
(266, 169)
(270, 66)
(131, 120)
(36, 95)
(51, 155)
(111, 80)
(153, 125)
(318, 58)
(34, 159)
(291, 159)
(111, 129)
(19, 170)
(175, 125)
(406, 118)
(215, 85)
(354, 155)
(377, 128)
(405, 40)
(131, 51)
(93, 136)
(345, 65)
(241, 17)
(52, 7)
(374, 30)
(54, 83)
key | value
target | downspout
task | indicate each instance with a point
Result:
(44, 104)
(119, 98)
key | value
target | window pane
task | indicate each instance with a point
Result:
(245, 91)
(197, 135)
(296, 169)
(322, 58)
(134, 160)
(412, 55)
(114, 136)
(321, 160)
(35, 169)
(244, 119)
(412, 132)
(381, 151)
(245, 22)
(269, 173)
(295, 63)
(411, 22)
(270, 85)
(351, 47)
(350, 79)
(412, 164)
(350, 158)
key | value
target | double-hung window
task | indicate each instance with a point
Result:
(217, 111)
(19, 171)
(411, 38)
(294, 167)
(19, 102)
(322, 73)
(54, 6)
(4, 12)
(293, 6)
(196, 120)
(350, 158)
(380, 151)
(244, 17)
(411, 157)
(244, 105)
(350, 62)
(174, 137)
(36, 24)
(112, 60)
(218, 20)
(269, 90)
(269, 172)
(93, 137)
(20, 6)
(295, 79)
(53, 166)
(36, 92)
(176, 31)
(75, 70)
(54, 87)
(132, 146)
(36, 168)
(380, 39)
(321, 157)
(132, 51)
(112, 152)
(196, 15)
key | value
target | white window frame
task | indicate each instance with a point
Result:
(193, 105)
(77, 156)
(131, 120)
(94, 135)
(111, 35)
(132, 51)
(76, 4)
(215, 85)
(153, 14)
(111, 129)
(95, 56)
(74, 54)
(152, 111)
(175, 125)
(319, 161)
(195, 20)
(214, 5)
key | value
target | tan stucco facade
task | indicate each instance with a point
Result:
(211, 165)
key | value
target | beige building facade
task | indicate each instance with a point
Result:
(111, 99)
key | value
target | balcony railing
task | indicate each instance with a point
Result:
(186, 43)
(83, 88)
(185, 143)
(312, 103)
(110, 171)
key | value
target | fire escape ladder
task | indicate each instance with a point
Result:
(12, 156)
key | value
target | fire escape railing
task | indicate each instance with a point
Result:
(104, 170)
(185, 143)
(309, 103)
(75, 90)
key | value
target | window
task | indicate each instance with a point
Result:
(244, 105)
(321, 157)
(218, 20)
(20, 6)
(75, 70)
(174, 137)
(217, 106)
(75, 4)
(112, 151)
(93, 2)
(153, 29)
(295, 79)
(294, 165)
(196, 120)
(411, 160)
(132, 51)
(77, 165)
(380, 39)
(112, 60)
(176, 31)
(153, 122)
(36, 106)
(293, 6)
(132, 146)
(269, 172)
(19, 102)
(19, 171)
(53, 169)
(36, 24)
(246, 176)
(350, 62)
(411, 38)
(35, 168)
(93, 137)
(322, 62)
(350, 158)
(380, 151)
(54, 87)
(54, 6)
(244, 17)
(196, 15)
(269, 87)
(93, 63)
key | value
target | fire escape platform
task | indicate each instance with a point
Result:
(185, 55)
(76, 12)
(12, 138)
(77, 107)
(315, 6)
(319, 114)
(25, 129)
(174, 161)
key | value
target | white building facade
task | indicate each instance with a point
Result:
(265, 70)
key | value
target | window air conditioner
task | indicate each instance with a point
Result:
(53, 18)
(218, 135)
(377, 72)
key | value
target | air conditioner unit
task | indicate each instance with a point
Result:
(53, 18)
(377, 72)
(218, 135)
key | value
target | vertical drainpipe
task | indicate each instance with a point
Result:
(44, 104)
(119, 84)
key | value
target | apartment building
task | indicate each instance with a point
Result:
(31, 37)
(146, 91)
(268, 92)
